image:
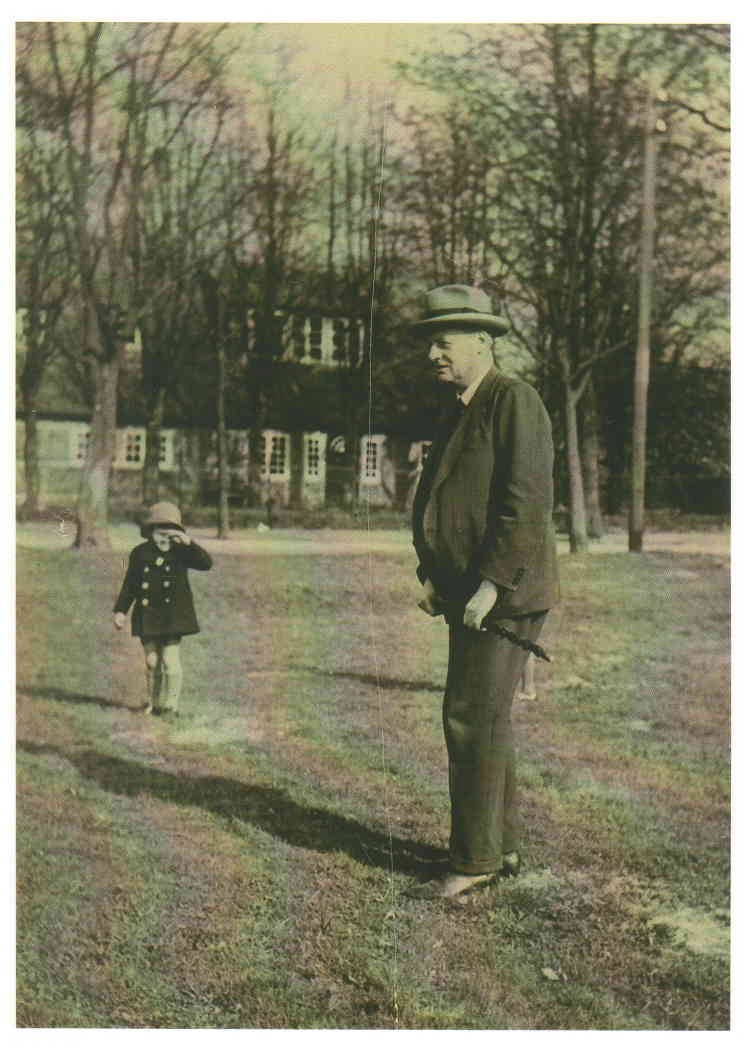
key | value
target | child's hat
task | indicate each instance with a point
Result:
(162, 515)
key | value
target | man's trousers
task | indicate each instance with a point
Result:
(483, 673)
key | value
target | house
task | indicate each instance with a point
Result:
(300, 459)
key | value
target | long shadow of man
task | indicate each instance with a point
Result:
(270, 809)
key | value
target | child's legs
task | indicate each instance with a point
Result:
(172, 675)
(152, 654)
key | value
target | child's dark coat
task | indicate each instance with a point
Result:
(157, 582)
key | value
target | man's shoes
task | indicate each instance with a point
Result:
(454, 884)
(451, 885)
(510, 865)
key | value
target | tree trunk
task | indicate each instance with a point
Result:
(636, 524)
(223, 475)
(578, 541)
(591, 463)
(92, 506)
(31, 465)
(152, 460)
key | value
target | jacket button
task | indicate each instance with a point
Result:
(145, 603)
(144, 586)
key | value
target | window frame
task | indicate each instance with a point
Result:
(321, 439)
(269, 437)
(378, 441)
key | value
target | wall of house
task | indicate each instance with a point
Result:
(305, 469)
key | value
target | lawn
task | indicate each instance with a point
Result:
(247, 866)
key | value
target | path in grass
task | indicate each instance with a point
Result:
(246, 867)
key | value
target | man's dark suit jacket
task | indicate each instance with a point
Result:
(483, 508)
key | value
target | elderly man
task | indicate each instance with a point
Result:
(485, 541)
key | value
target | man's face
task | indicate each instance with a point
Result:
(459, 356)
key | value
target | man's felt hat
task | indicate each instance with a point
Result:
(464, 306)
(162, 515)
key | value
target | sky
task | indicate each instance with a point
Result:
(329, 59)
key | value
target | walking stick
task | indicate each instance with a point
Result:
(521, 642)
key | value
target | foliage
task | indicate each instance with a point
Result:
(165, 155)
(532, 179)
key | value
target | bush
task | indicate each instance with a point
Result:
(285, 517)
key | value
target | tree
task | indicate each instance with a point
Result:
(563, 105)
(182, 226)
(43, 282)
(99, 89)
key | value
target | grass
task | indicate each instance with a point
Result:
(247, 865)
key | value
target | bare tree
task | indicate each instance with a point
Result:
(99, 88)
(44, 283)
(559, 107)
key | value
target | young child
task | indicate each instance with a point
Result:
(156, 584)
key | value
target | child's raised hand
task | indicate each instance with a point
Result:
(119, 620)
(181, 537)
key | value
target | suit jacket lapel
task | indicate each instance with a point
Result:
(455, 443)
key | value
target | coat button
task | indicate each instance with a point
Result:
(166, 600)
(145, 603)
(144, 586)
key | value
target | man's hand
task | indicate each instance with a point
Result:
(430, 602)
(480, 605)
(119, 620)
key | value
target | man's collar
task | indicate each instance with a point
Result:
(468, 393)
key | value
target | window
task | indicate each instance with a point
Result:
(371, 449)
(278, 454)
(316, 338)
(339, 340)
(314, 446)
(130, 448)
(274, 455)
(355, 352)
(313, 457)
(133, 452)
(371, 459)
(298, 336)
(166, 450)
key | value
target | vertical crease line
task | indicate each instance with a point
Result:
(372, 628)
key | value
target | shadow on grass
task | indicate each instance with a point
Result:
(57, 694)
(270, 809)
(386, 683)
